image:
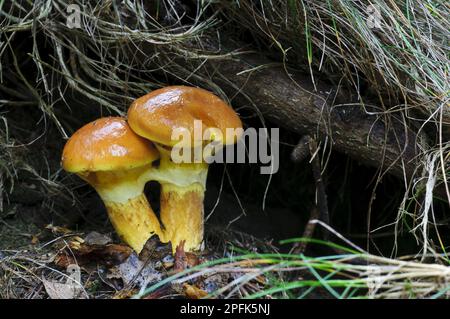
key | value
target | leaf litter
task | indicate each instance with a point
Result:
(75, 265)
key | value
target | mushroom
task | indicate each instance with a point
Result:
(113, 159)
(156, 116)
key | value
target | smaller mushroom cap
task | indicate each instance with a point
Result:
(157, 114)
(106, 144)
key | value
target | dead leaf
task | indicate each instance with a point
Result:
(63, 260)
(112, 254)
(95, 238)
(34, 240)
(193, 292)
(108, 255)
(135, 271)
(58, 230)
(180, 258)
(57, 290)
(75, 242)
(155, 249)
(184, 259)
(192, 259)
(70, 289)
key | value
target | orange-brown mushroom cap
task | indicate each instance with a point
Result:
(155, 115)
(106, 144)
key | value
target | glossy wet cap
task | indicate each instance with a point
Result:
(106, 144)
(155, 115)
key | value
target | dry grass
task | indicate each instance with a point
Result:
(352, 273)
(403, 57)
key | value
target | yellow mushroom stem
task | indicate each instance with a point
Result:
(182, 193)
(128, 209)
(182, 215)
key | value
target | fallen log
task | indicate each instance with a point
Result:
(293, 102)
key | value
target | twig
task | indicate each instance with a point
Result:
(300, 247)
(300, 152)
(321, 199)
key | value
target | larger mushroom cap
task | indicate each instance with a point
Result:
(107, 144)
(155, 115)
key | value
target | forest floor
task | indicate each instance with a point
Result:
(57, 262)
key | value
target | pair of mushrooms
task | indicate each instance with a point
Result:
(118, 157)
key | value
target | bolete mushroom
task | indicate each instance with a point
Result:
(156, 116)
(108, 155)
